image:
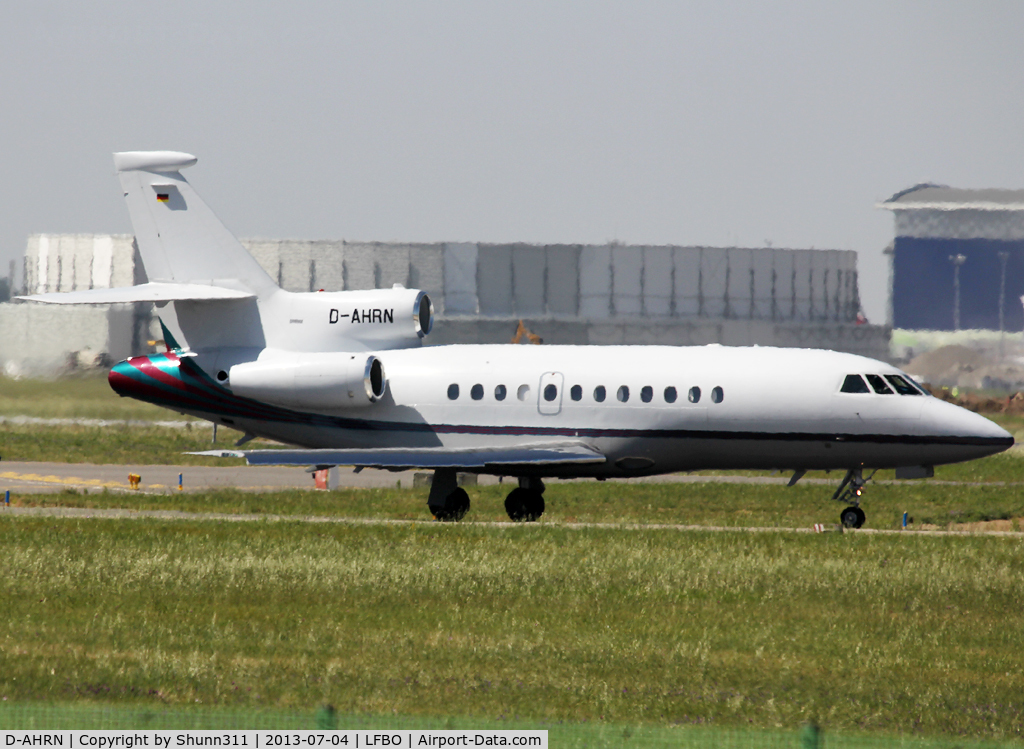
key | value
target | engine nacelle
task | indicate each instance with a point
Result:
(331, 380)
(367, 320)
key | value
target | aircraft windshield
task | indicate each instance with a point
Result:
(903, 387)
(879, 384)
(854, 384)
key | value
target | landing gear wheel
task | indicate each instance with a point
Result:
(524, 505)
(455, 508)
(852, 517)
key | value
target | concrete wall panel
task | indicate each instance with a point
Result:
(293, 265)
(529, 268)
(123, 260)
(658, 274)
(820, 278)
(802, 285)
(713, 271)
(627, 281)
(101, 264)
(762, 263)
(562, 293)
(360, 269)
(595, 281)
(686, 286)
(327, 265)
(391, 266)
(426, 272)
(46, 339)
(460, 279)
(494, 280)
(740, 282)
(32, 262)
(79, 275)
(782, 267)
(266, 252)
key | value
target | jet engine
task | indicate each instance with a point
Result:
(330, 380)
(368, 320)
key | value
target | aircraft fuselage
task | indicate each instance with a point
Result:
(648, 409)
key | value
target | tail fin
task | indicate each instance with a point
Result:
(179, 237)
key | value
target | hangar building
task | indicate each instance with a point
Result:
(572, 294)
(958, 258)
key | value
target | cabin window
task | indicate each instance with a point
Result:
(576, 393)
(717, 394)
(622, 393)
(854, 384)
(879, 384)
(670, 394)
(477, 392)
(694, 395)
(453, 392)
(902, 386)
(550, 392)
(499, 393)
(646, 393)
(599, 394)
(523, 392)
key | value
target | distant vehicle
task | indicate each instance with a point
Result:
(345, 378)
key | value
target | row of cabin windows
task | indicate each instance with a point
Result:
(600, 394)
(855, 384)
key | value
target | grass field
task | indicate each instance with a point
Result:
(88, 397)
(882, 634)
(616, 634)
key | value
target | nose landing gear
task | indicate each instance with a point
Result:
(851, 490)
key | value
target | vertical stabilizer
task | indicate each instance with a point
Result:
(179, 237)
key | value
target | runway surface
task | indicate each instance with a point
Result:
(30, 478)
(53, 477)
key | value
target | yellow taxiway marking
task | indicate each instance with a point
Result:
(67, 481)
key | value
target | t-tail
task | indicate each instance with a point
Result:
(211, 294)
(219, 308)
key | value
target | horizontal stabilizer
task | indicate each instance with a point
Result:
(155, 291)
(422, 457)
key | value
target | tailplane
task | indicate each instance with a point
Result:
(179, 237)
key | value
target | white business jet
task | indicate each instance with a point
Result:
(343, 376)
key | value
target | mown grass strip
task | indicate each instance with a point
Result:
(740, 505)
(905, 634)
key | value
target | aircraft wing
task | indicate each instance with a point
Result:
(490, 458)
(154, 291)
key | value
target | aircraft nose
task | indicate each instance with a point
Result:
(962, 427)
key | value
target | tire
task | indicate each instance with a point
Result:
(852, 517)
(456, 507)
(524, 506)
(534, 506)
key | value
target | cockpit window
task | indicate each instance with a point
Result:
(902, 386)
(854, 384)
(879, 384)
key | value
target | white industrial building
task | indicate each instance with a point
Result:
(582, 294)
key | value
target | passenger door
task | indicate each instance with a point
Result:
(549, 394)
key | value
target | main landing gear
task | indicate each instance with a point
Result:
(449, 502)
(526, 503)
(851, 491)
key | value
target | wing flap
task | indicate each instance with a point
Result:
(571, 453)
(155, 291)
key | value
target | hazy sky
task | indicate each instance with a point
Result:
(715, 123)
